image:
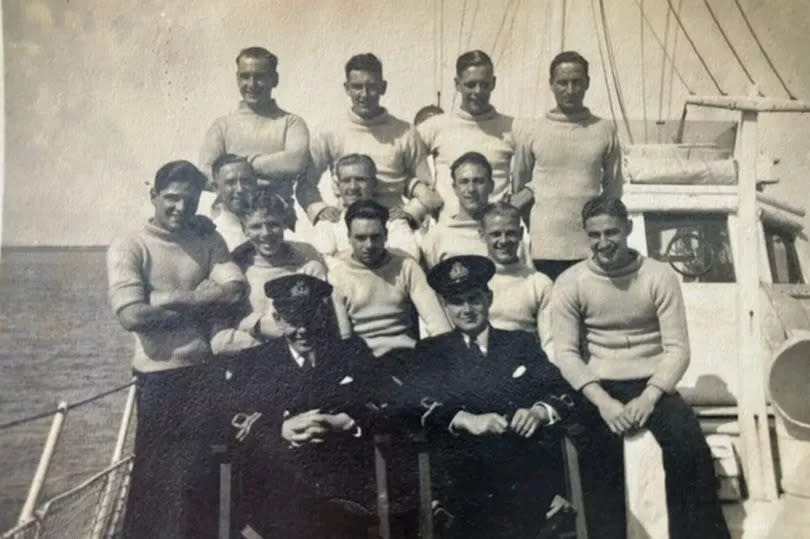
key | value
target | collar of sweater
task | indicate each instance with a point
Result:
(353, 263)
(380, 118)
(270, 110)
(627, 269)
(488, 115)
(580, 116)
(515, 268)
(159, 232)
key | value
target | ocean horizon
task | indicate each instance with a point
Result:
(59, 341)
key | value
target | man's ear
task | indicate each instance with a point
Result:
(383, 87)
(346, 87)
(489, 296)
(494, 80)
(457, 82)
(274, 79)
(629, 226)
(152, 193)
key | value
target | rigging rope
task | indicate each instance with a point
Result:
(643, 72)
(506, 41)
(614, 71)
(728, 42)
(664, 48)
(762, 50)
(458, 47)
(500, 28)
(71, 406)
(441, 53)
(694, 48)
(602, 60)
(562, 24)
(472, 24)
(663, 69)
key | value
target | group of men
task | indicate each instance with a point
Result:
(423, 301)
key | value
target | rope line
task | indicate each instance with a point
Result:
(562, 25)
(71, 406)
(501, 26)
(507, 42)
(762, 50)
(672, 66)
(602, 61)
(728, 42)
(694, 48)
(472, 24)
(643, 72)
(458, 47)
(614, 71)
(664, 48)
(663, 67)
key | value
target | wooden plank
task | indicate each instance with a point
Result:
(574, 486)
(758, 457)
(381, 473)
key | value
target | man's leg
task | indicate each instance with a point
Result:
(602, 470)
(693, 505)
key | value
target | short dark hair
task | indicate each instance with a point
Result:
(366, 209)
(567, 57)
(227, 159)
(355, 159)
(264, 200)
(500, 209)
(180, 171)
(426, 112)
(258, 53)
(474, 158)
(472, 58)
(364, 62)
(604, 205)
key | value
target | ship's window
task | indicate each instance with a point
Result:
(696, 245)
(782, 257)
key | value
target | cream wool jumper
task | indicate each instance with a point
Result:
(380, 301)
(521, 298)
(632, 320)
(565, 161)
(160, 260)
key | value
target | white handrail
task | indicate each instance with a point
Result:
(27, 512)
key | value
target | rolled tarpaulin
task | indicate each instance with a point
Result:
(788, 385)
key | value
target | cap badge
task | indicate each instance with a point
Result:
(299, 290)
(458, 272)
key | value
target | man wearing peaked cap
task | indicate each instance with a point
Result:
(300, 411)
(487, 399)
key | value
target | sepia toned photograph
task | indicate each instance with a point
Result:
(437, 269)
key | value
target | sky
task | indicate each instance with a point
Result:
(99, 94)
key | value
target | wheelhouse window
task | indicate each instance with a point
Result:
(696, 245)
(782, 256)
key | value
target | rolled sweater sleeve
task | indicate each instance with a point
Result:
(424, 299)
(213, 146)
(566, 324)
(611, 167)
(674, 334)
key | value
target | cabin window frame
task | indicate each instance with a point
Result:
(792, 263)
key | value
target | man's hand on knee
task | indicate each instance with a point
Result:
(612, 412)
(639, 410)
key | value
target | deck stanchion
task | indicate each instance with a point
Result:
(27, 512)
(381, 473)
(118, 450)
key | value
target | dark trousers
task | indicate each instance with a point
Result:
(691, 487)
(170, 488)
(553, 268)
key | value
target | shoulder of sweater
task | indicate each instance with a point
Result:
(573, 276)
(304, 250)
(657, 270)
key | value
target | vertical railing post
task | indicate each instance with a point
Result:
(27, 512)
(381, 473)
(118, 450)
(753, 415)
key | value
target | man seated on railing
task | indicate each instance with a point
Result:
(620, 338)
(165, 283)
(487, 397)
(300, 410)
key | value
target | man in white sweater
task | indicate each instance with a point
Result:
(521, 294)
(382, 290)
(234, 179)
(561, 161)
(620, 338)
(166, 282)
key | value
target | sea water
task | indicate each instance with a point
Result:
(58, 341)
